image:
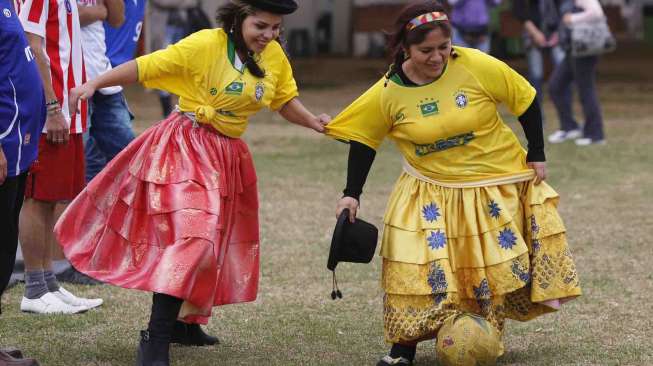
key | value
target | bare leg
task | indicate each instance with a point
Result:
(33, 233)
(56, 252)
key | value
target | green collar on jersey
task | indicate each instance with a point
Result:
(397, 79)
(233, 57)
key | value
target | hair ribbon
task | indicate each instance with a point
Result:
(435, 16)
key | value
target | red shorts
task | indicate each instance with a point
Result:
(58, 172)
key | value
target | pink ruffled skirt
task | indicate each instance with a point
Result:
(176, 212)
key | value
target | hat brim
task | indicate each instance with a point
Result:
(283, 7)
(336, 240)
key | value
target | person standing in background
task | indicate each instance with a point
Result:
(581, 70)
(121, 42)
(105, 135)
(109, 129)
(22, 116)
(167, 24)
(471, 20)
(54, 36)
(540, 20)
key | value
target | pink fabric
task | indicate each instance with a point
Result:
(176, 212)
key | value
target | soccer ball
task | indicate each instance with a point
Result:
(468, 340)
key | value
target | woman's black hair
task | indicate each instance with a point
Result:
(401, 38)
(231, 17)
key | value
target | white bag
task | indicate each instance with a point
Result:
(591, 38)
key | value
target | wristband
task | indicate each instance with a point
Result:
(51, 103)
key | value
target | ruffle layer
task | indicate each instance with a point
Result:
(176, 212)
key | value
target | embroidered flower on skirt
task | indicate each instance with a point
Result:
(521, 272)
(483, 290)
(534, 227)
(437, 240)
(431, 212)
(438, 282)
(495, 210)
(507, 239)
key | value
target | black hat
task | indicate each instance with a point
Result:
(282, 7)
(351, 242)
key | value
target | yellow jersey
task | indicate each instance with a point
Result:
(450, 129)
(204, 70)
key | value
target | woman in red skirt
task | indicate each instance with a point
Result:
(176, 213)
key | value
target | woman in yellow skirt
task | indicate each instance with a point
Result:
(470, 225)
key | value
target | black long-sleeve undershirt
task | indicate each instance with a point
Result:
(362, 156)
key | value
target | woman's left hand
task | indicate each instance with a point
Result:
(319, 122)
(540, 170)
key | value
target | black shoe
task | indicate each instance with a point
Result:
(152, 352)
(71, 275)
(389, 361)
(191, 335)
(13, 352)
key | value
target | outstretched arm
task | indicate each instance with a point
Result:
(124, 74)
(295, 112)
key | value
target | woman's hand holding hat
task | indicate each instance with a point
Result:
(350, 203)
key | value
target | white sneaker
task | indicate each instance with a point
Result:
(70, 299)
(586, 141)
(562, 136)
(49, 304)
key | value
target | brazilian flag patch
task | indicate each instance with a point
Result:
(429, 109)
(235, 88)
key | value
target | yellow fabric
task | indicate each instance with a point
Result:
(418, 211)
(449, 130)
(499, 251)
(468, 340)
(199, 70)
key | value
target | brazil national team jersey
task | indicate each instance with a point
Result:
(22, 102)
(121, 42)
(204, 70)
(448, 130)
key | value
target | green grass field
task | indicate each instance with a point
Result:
(606, 199)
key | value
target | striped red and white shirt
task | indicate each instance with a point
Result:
(57, 22)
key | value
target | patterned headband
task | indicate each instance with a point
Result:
(435, 16)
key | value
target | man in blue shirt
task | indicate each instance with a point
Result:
(22, 116)
(121, 42)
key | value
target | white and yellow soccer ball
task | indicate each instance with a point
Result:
(468, 340)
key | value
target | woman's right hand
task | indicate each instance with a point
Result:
(347, 203)
(82, 92)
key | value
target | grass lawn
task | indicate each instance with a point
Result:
(607, 195)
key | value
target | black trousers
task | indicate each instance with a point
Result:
(12, 193)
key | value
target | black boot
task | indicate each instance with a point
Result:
(192, 335)
(152, 352)
(155, 341)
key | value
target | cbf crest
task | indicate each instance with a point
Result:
(259, 91)
(461, 99)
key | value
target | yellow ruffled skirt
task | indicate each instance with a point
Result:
(497, 251)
